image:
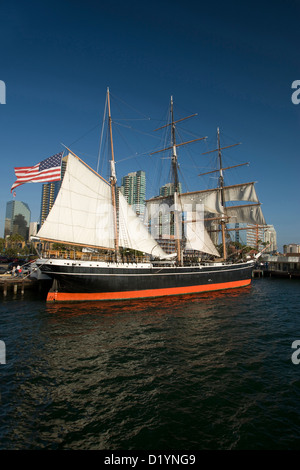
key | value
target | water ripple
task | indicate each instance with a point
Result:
(195, 372)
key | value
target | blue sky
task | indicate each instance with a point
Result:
(231, 62)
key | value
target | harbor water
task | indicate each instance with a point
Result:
(207, 372)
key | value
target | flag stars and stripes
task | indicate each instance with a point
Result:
(48, 170)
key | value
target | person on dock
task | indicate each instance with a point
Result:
(19, 271)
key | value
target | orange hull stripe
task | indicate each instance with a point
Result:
(65, 296)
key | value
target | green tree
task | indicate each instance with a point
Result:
(59, 246)
(2, 244)
(14, 244)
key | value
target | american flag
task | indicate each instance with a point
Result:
(44, 172)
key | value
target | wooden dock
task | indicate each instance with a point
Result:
(257, 273)
(275, 273)
(16, 284)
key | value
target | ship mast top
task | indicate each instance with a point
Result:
(177, 231)
(221, 186)
(174, 163)
(113, 180)
(174, 151)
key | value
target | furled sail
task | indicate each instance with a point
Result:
(133, 233)
(82, 213)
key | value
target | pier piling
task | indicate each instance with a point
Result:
(17, 285)
(257, 273)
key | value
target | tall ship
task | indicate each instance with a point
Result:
(114, 255)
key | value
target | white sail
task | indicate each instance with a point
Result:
(197, 238)
(208, 199)
(247, 214)
(133, 233)
(211, 198)
(240, 192)
(210, 203)
(82, 213)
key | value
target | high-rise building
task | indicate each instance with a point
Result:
(50, 192)
(17, 219)
(255, 236)
(162, 223)
(271, 238)
(259, 237)
(133, 188)
(168, 189)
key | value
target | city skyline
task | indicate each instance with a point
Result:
(234, 64)
(133, 187)
(17, 219)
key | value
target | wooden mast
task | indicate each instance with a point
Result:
(113, 181)
(221, 183)
(176, 187)
(174, 167)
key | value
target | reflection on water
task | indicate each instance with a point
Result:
(189, 372)
(156, 305)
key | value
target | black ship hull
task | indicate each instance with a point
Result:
(87, 281)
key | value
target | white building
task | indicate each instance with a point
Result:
(291, 248)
